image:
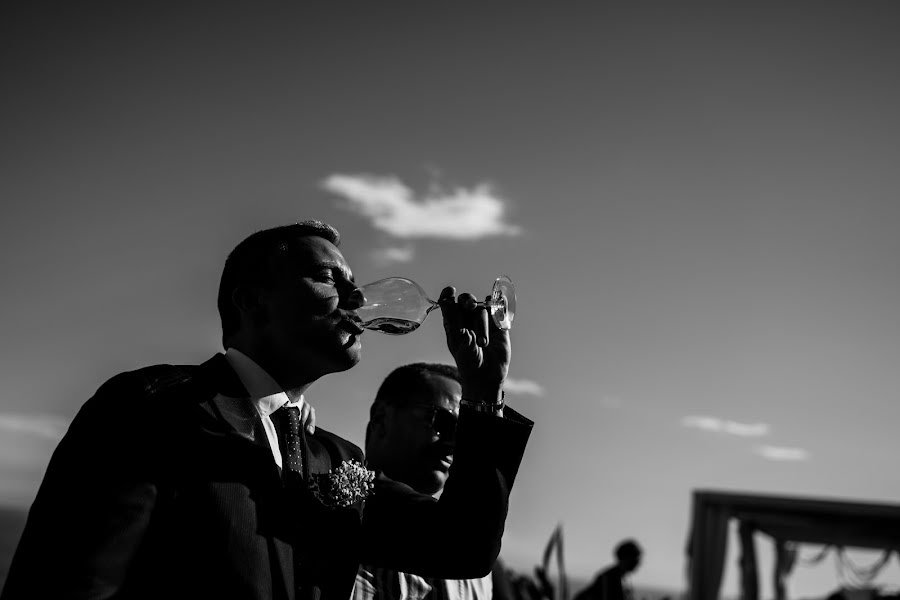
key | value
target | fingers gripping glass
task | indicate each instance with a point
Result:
(398, 305)
(441, 420)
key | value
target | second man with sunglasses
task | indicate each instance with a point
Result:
(410, 439)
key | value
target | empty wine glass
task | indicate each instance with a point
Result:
(397, 305)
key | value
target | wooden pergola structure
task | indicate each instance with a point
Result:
(787, 521)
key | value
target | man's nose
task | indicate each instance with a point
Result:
(448, 438)
(444, 447)
(356, 299)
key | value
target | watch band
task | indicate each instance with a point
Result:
(491, 407)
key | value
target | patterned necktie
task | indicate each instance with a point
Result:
(287, 423)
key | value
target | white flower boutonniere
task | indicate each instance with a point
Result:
(344, 486)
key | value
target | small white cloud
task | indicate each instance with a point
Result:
(717, 425)
(705, 423)
(387, 256)
(523, 386)
(783, 454)
(745, 429)
(392, 207)
(47, 426)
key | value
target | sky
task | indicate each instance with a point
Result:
(698, 204)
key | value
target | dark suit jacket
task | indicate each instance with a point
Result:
(152, 494)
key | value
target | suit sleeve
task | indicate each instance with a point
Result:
(457, 536)
(95, 502)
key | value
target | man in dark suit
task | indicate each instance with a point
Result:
(199, 482)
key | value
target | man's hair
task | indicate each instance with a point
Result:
(402, 383)
(251, 261)
(627, 549)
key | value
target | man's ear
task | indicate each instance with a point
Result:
(248, 300)
(375, 433)
(377, 421)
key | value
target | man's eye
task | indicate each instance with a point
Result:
(324, 277)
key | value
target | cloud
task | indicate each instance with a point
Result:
(717, 425)
(386, 256)
(26, 444)
(392, 207)
(47, 426)
(783, 454)
(523, 386)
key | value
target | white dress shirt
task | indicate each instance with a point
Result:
(251, 416)
(378, 583)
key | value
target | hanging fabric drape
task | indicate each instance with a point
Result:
(707, 549)
(785, 559)
(858, 576)
(747, 563)
(809, 562)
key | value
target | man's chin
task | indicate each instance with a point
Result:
(436, 480)
(431, 488)
(339, 358)
(348, 355)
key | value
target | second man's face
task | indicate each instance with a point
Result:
(419, 435)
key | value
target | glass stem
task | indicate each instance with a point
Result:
(435, 305)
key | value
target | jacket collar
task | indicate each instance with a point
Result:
(224, 406)
(218, 377)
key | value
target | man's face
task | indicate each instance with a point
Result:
(306, 328)
(413, 451)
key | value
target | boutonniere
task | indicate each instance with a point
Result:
(346, 485)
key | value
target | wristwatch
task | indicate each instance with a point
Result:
(488, 407)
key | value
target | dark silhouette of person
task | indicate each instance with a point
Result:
(610, 584)
(199, 481)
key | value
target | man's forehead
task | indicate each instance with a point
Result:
(313, 251)
(419, 404)
(441, 390)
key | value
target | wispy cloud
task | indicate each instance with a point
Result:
(386, 256)
(717, 425)
(523, 386)
(26, 444)
(46, 426)
(393, 207)
(781, 453)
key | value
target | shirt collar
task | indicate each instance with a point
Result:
(265, 393)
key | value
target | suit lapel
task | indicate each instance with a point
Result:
(224, 414)
(220, 378)
(224, 409)
(318, 459)
(333, 531)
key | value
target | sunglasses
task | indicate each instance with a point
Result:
(441, 420)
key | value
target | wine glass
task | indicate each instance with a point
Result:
(397, 305)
